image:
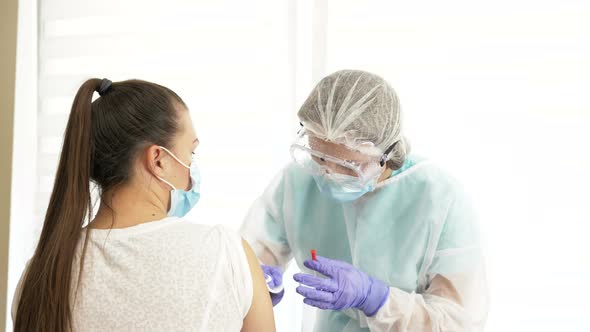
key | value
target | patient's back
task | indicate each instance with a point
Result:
(167, 275)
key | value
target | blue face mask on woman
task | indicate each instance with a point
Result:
(182, 201)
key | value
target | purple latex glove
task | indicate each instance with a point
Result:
(274, 282)
(346, 287)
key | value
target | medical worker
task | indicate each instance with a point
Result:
(396, 237)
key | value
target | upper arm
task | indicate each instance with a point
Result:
(459, 246)
(458, 267)
(460, 225)
(260, 317)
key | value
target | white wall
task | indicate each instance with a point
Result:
(8, 41)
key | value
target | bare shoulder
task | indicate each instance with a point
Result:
(260, 317)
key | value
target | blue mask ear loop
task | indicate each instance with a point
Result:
(175, 158)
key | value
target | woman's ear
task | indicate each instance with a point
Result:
(154, 160)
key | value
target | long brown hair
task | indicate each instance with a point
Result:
(102, 139)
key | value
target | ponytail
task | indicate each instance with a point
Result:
(44, 303)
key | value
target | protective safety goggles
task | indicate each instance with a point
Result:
(320, 157)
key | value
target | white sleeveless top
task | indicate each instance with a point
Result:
(167, 275)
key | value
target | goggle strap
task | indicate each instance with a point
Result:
(386, 154)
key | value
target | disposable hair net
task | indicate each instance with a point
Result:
(357, 109)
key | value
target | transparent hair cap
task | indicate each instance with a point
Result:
(354, 108)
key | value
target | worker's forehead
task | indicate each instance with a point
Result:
(336, 150)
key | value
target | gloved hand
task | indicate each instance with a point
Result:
(346, 287)
(274, 282)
